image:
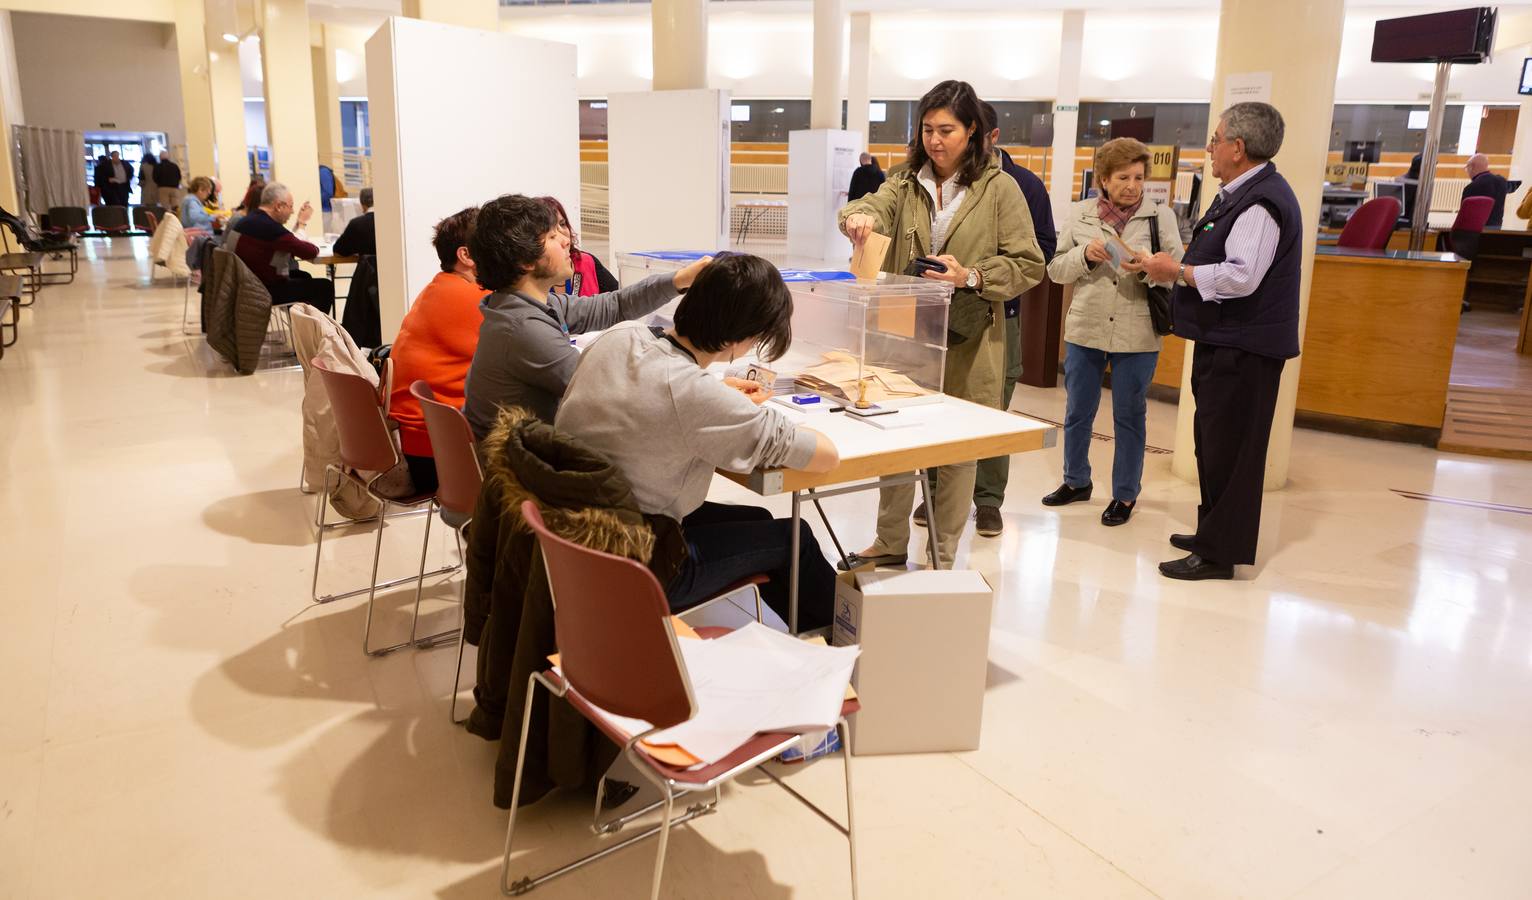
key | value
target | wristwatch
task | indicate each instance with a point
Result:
(973, 279)
(1181, 275)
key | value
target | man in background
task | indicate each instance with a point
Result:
(167, 182)
(1484, 183)
(269, 249)
(360, 237)
(119, 181)
(867, 178)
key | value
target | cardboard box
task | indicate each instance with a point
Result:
(925, 657)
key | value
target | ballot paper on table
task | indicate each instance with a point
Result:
(752, 680)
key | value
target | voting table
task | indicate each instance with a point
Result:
(941, 433)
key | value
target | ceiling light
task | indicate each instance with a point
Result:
(231, 37)
(779, 110)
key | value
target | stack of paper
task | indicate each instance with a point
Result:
(750, 681)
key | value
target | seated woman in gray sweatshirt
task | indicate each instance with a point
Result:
(648, 404)
(524, 356)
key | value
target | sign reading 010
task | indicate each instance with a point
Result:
(1162, 162)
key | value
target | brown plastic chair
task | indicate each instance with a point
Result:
(459, 480)
(618, 652)
(365, 445)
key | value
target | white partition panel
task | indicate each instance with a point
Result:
(459, 117)
(668, 173)
(819, 166)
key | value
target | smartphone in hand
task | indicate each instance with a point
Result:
(923, 264)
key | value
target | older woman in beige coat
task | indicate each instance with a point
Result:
(955, 204)
(1108, 322)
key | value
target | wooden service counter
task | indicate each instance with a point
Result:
(1377, 352)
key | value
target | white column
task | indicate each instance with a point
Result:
(481, 14)
(1066, 114)
(227, 89)
(326, 98)
(679, 44)
(289, 78)
(196, 95)
(10, 113)
(1521, 164)
(858, 77)
(1297, 54)
(829, 62)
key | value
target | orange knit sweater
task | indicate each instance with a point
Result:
(435, 344)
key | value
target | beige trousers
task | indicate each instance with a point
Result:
(170, 198)
(954, 501)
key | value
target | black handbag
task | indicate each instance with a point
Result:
(1157, 295)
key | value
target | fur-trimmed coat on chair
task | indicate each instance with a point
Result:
(508, 611)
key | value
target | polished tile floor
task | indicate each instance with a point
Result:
(1352, 718)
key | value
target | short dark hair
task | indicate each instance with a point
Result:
(991, 117)
(735, 298)
(957, 97)
(507, 239)
(365, 197)
(453, 232)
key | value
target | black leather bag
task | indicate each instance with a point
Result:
(1158, 296)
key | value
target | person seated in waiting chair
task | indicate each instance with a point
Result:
(360, 237)
(647, 403)
(271, 251)
(194, 215)
(525, 355)
(436, 341)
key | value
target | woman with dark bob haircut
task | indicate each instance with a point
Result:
(954, 204)
(647, 403)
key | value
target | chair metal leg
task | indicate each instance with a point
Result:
(372, 592)
(440, 637)
(525, 884)
(845, 751)
(420, 582)
(756, 589)
(457, 675)
(659, 857)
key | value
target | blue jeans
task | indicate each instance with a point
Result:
(1131, 374)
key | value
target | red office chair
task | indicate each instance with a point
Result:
(1463, 239)
(618, 653)
(460, 477)
(1370, 227)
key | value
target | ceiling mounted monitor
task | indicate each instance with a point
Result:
(1459, 36)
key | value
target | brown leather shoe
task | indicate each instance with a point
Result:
(987, 521)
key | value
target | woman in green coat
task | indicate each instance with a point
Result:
(955, 204)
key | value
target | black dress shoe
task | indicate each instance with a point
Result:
(1195, 568)
(1117, 512)
(1183, 542)
(1066, 494)
(857, 560)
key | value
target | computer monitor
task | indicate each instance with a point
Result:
(1399, 191)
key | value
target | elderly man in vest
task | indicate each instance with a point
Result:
(1236, 296)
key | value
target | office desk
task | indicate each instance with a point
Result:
(1382, 327)
(329, 260)
(948, 432)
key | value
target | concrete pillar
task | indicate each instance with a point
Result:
(326, 98)
(233, 166)
(1290, 62)
(1066, 114)
(196, 95)
(679, 44)
(481, 14)
(288, 70)
(829, 62)
(10, 114)
(858, 77)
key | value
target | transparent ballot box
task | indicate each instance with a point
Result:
(890, 334)
(635, 267)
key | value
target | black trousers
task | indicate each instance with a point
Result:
(726, 543)
(1236, 394)
(300, 287)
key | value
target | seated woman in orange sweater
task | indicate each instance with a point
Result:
(436, 342)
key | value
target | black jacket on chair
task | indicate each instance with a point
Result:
(360, 237)
(362, 318)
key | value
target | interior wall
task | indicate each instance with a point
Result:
(350, 43)
(1165, 55)
(79, 72)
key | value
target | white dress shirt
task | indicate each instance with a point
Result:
(946, 198)
(1248, 251)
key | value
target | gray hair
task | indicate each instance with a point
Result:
(1259, 125)
(366, 197)
(275, 192)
